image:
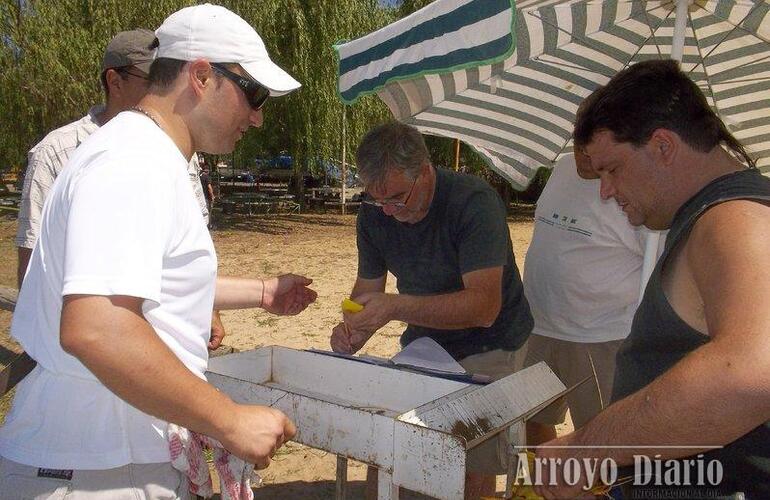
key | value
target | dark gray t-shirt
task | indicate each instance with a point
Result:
(465, 230)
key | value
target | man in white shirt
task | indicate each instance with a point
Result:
(581, 276)
(116, 305)
(125, 69)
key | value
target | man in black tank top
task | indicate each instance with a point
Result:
(691, 410)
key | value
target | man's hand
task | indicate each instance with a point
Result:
(377, 312)
(287, 294)
(349, 337)
(347, 342)
(254, 433)
(559, 489)
(217, 331)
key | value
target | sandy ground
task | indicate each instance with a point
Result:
(321, 247)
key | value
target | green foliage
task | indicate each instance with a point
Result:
(51, 51)
(300, 35)
(50, 57)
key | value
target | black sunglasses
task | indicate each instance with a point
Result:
(256, 94)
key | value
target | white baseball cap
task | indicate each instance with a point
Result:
(218, 35)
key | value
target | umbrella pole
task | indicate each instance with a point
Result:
(457, 155)
(653, 241)
(344, 162)
(680, 27)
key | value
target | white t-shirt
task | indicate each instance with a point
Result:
(47, 159)
(583, 269)
(120, 220)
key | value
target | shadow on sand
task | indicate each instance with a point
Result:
(278, 224)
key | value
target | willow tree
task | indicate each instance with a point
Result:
(50, 58)
(51, 51)
(299, 35)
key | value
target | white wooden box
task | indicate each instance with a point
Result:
(415, 428)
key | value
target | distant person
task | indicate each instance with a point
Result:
(445, 238)
(582, 278)
(695, 370)
(208, 190)
(116, 306)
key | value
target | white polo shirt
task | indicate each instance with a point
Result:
(121, 220)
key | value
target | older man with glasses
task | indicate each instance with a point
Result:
(444, 236)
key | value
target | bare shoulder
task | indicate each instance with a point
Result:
(736, 226)
(727, 256)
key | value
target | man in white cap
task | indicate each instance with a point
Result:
(124, 76)
(116, 305)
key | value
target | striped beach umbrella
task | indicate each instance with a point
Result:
(507, 79)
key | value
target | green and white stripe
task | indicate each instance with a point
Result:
(518, 111)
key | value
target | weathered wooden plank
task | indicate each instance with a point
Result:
(386, 488)
(361, 384)
(8, 297)
(341, 483)
(476, 415)
(16, 370)
(253, 366)
(429, 462)
(355, 433)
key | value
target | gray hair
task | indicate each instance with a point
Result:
(390, 146)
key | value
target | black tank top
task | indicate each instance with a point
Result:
(659, 338)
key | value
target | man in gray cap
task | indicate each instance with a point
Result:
(116, 305)
(125, 67)
(125, 70)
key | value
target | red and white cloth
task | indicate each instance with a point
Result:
(187, 456)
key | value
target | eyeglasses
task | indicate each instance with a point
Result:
(369, 200)
(256, 94)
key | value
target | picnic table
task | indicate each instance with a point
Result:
(260, 202)
(324, 196)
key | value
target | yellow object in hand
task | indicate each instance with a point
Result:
(351, 306)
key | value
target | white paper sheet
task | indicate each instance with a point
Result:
(426, 353)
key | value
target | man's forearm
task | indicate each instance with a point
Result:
(238, 293)
(21, 270)
(701, 402)
(111, 338)
(467, 308)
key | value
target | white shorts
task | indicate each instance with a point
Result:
(129, 482)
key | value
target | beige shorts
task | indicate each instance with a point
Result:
(572, 362)
(491, 456)
(130, 482)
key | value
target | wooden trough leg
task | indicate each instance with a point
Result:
(386, 490)
(342, 478)
(517, 436)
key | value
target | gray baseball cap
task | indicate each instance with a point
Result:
(130, 48)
